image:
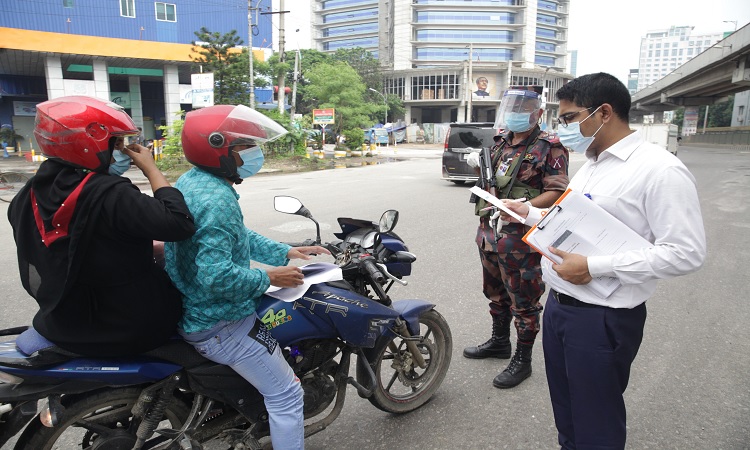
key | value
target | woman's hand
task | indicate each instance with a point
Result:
(143, 159)
(285, 276)
(305, 252)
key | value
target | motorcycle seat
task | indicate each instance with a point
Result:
(39, 351)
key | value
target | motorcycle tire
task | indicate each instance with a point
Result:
(401, 385)
(108, 408)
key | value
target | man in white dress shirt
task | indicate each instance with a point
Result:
(590, 342)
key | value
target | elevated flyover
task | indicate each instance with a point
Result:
(721, 70)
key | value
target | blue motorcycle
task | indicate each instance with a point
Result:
(173, 398)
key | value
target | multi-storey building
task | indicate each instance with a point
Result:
(662, 51)
(137, 53)
(450, 60)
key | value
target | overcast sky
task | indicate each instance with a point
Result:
(606, 33)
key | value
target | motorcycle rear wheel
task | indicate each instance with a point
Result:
(401, 385)
(110, 408)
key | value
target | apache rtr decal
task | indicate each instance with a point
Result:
(329, 295)
(321, 306)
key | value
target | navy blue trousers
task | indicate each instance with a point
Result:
(587, 355)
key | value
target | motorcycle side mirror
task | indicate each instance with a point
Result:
(388, 221)
(291, 205)
(287, 205)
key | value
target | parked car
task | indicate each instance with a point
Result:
(461, 140)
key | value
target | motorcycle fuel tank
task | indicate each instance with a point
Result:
(325, 311)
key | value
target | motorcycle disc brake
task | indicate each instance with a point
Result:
(406, 373)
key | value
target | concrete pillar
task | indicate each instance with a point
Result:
(136, 105)
(171, 93)
(54, 77)
(101, 80)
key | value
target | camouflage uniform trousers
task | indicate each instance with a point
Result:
(513, 284)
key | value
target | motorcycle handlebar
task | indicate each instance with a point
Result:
(372, 270)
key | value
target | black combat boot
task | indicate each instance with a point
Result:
(499, 344)
(518, 370)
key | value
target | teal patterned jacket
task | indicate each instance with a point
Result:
(212, 269)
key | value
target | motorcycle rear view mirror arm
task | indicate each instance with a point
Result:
(291, 205)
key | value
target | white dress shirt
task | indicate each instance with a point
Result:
(652, 192)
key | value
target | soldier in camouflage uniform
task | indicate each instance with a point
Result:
(512, 276)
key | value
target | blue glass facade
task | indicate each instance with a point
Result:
(331, 4)
(467, 2)
(461, 54)
(467, 17)
(347, 30)
(351, 43)
(369, 13)
(475, 36)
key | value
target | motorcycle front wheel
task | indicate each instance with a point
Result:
(96, 420)
(401, 385)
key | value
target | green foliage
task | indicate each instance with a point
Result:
(339, 86)
(173, 158)
(355, 137)
(719, 115)
(9, 135)
(291, 143)
(364, 63)
(231, 69)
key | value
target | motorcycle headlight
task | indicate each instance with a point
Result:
(9, 379)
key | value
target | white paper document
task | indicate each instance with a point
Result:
(484, 195)
(576, 224)
(315, 273)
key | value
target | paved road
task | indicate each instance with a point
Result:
(689, 388)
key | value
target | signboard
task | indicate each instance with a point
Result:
(121, 98)
(323, 116)
(203, 89)
(186, 94)
(690, 121)
(24, 108)
(79, 87)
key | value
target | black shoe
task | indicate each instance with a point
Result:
(494, 348)
(518, 370)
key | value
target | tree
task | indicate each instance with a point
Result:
(230, 68)
(339, 86)
(719, 115)
(364, 63)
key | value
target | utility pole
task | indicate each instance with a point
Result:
(294, 84)
(282, 76)
(250, 48)
(471, 85)
(282, 57)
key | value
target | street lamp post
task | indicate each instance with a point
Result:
(733, 22)
(385, 102)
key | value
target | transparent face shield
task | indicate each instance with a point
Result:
(245, 124)
(518, 110)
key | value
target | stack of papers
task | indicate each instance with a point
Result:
(315, 273)
(575, 224)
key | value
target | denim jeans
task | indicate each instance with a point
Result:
(248, 347)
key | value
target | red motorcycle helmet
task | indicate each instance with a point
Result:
(209, 133)
(77, 130)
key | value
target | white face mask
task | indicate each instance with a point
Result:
(572, 137)
(120, 164)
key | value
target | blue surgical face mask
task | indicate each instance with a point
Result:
(120, 164)
(518, 122)
(252, 161)
(572, 137)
